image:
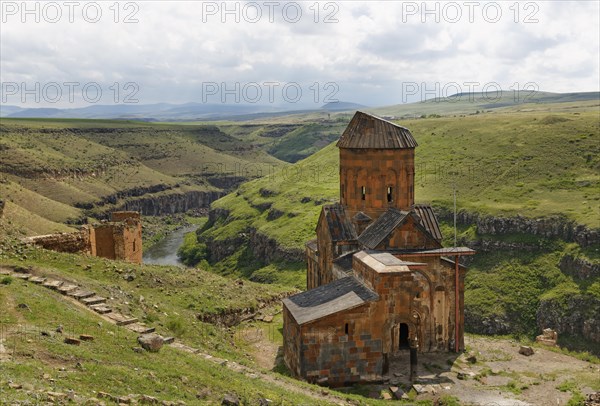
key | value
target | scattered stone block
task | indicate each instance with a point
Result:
(151, 342)
(65, 288)
(37, 280)
(122, 320)
(168, 340)
(72, 341)
(52, 284)
(54, 396)
(23, 276)
(592, 399)
(420, 389)
(548, 337)
(526, 350)
(15, 385)
(101, 308)
(386, 396)
(86, 337)
(140, 328)
(93, 300)
(398, 393)
(230, 400)
(268, 318)
(461, 376)
(148, 400)
(81, 294)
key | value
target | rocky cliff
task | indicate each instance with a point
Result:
(151, 205)
(548, 227)
(576, 316)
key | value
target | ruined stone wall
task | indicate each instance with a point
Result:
(63, 242)
(119, 240)
(131, 232)
(104, 238)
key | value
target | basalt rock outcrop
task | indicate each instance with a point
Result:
(269, 250)
(575, 316)
(495, 324)
(547, 227)
(263, 248)
(579, 267)
(149, 205)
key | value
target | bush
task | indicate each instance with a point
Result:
(7, 280)
(176, 326)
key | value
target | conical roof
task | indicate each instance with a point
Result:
(367, 131)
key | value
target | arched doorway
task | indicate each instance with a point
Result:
(403, 341)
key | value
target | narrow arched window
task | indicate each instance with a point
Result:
(390, 194)
(363, 192)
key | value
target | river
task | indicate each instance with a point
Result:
(164, 252)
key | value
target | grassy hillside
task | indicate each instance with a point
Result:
(41, 366)
(528, 163)
(60, 169)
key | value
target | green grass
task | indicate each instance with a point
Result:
(165, 295)
(107, 363)
(506, 165)
(54, 168)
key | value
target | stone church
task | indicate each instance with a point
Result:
(378, 279)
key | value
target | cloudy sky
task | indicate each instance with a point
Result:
(291, 54)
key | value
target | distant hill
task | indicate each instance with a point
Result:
(343, 106)
(461, 103)
(142, 112)
(467, 103)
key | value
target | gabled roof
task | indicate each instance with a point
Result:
(429, 220)
(339, 295)
(381, 228)
(368, 131)
(338, 223)
(361, 217)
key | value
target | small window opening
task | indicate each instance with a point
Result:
(346, 329)
(390, 191)
(363, 192)
(134, 245)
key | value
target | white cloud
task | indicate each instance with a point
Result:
(369, 52)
